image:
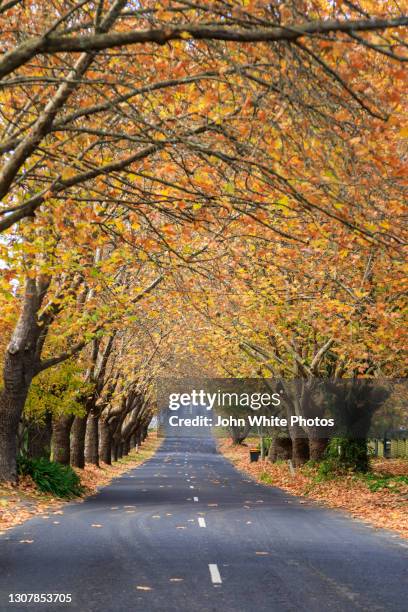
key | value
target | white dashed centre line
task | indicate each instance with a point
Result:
(201, 522)
(195, 499)
(214, 573)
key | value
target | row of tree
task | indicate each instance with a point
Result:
(193, 179)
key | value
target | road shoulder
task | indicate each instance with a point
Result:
(383, 509)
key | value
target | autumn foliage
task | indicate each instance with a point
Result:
(193, 188)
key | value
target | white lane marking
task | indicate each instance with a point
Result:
(214, 573)
(195, 499)
(201, 522)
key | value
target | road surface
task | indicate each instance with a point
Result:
(186, 532)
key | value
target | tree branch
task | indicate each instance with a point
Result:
(98, 42)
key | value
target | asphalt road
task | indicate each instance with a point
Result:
(196, 535)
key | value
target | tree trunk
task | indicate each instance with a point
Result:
(61, 429)
(238, 434)
(17, 375)
(133, 441)
(300, 451)
(105, 442)
(280, 449)
(78, 442)
(92, 439)
(126, 447)
(114, 451)
(300, 442)
(272, 451)
(39, 438)
(120, 450)
(21, 360)
(317, 448)
(9, 419)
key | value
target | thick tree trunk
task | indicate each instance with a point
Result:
(18, 374)
(21, 360)
(78, 442)
(105, 442)
(39, 438)
(133, 441)
(300, 442)
(317, 447)
(300, 451)
(280, 449)
(126, 447)
(114, 451)
(9, 419)
(238, 434)
(60, 446)
(120, 450)
(92, 439)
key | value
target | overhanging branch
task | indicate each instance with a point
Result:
(48, 45)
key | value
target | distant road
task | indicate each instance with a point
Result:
(186, 532)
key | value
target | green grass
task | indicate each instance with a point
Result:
(376, 482)
(266, 478)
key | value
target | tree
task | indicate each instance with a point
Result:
(236, 152)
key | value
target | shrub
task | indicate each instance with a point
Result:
(51, 477)
(344, 455)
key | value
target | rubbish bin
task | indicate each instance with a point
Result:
(254, 454)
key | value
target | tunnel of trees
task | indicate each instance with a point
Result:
(189, 188)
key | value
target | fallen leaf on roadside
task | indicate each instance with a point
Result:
(385, 508)
(96, 525)
(144, 588)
